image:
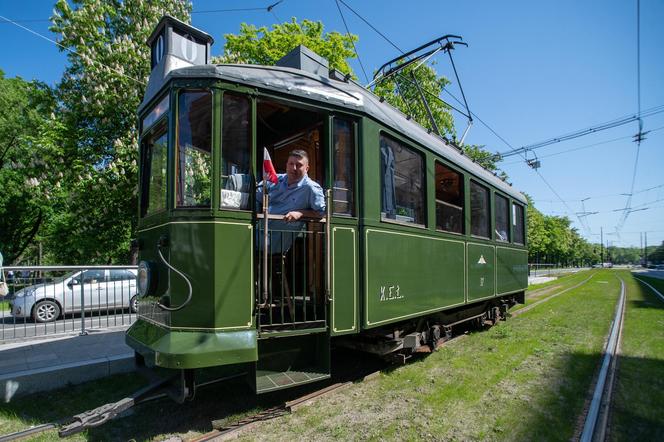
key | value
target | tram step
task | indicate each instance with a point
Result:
(291, 360)
(267, 381)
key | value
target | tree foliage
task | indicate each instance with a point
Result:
(104, 83)
(68, 155)
(266, 46)
(401, 91)
(484, 158)
(552, 239)
(30, 178)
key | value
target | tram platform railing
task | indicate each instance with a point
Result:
(59, 300)
(291, 261)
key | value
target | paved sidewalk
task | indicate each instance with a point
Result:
(39, 365)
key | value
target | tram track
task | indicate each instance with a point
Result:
(543, 300)
(222, 432)
(596, 413)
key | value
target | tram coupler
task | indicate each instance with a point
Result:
(101, 415)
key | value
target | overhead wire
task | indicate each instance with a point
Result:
(586, 131)
(471, 113)
(613, 140)
(371, 26)
(72, 50)
(366, 77)
(3, 19)
(659, 186)
(268, 8)
(639, 135)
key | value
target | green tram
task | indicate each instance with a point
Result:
(417, 237)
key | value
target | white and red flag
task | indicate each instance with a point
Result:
(269, 174)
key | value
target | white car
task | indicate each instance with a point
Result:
(98, 289)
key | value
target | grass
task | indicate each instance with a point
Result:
(559, 278)
(517, 381)
(540, 291)
(526, 379)
(639, 392)
(53, 406)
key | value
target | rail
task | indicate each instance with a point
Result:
(602, 393)
(57, 300)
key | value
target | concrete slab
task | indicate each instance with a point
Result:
(539, 279)
(36, 366)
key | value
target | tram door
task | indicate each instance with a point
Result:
(291, 255)
(343, 229)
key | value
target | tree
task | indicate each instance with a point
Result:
(30, 164)
(538, 240)
(484, 158)
(266, 46)
(401, 91)
(109, 64)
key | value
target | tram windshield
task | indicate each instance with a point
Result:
(236, 179)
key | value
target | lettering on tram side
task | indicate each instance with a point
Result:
(390, 293)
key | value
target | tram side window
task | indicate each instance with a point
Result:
(502, 218)
(344, 167)
(236, 177)
(518, 224)
(403, 193)
(194, 154)
(449, 199)
(153, 176)
(480, 220)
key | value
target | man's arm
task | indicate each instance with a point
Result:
(295, 215)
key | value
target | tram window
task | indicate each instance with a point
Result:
(236, 153)
(194, 154)
(479, 210)
(449, 199)
(518, 224)
(502, 218)
(160, 109)
(344, 167)
(403, 194)
(153, 176)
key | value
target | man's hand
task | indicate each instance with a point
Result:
(292, 216)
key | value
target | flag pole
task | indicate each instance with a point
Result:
(265, 242)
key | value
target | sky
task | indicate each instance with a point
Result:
(532, 71)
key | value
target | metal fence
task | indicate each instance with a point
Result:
(535, 270)
(54, 300)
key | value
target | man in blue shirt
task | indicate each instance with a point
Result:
(295, 196)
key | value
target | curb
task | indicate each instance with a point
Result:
(22, 383)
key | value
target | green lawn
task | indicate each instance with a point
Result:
(525, 379)
(638, 400)
(541, 291)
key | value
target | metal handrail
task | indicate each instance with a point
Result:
(70, 267)
(328, 253)
(281, 217)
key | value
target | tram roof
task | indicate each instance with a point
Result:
(347, 94)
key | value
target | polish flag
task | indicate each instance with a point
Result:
(269, 174)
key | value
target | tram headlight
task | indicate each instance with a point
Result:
(146, 279)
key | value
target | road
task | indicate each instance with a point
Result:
(650, 272)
